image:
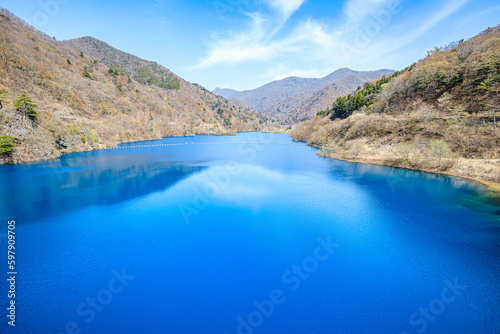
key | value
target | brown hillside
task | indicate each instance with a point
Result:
(86, 104)
(440, 115)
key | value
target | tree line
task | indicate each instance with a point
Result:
(344, 106)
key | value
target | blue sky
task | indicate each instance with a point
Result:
(243, 44)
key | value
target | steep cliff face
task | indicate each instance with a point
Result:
(91, 95)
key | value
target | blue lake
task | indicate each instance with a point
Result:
(246, 238)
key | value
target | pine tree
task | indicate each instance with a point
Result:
(27, 106)
(6, 144)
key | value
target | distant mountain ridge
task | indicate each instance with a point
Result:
(294, 99)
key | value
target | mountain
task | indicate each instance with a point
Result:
(438, 115)
(225, 92)
(91, 95)
(294, 99)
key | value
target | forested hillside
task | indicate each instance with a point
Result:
(439, 114)
(295, 99)
(76, 100)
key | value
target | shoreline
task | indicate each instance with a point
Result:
(117, 145)
(4, 159)
(491, 185)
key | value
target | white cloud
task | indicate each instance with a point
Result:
(286, 7)
(364, 33)
(259, 44)
(385, 46)
(446, 11)
(241, 47)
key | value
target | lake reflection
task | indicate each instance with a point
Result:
(208, 232)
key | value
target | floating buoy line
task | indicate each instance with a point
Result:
(209, 143)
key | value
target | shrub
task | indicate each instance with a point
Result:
(6, 144)
(439, 149)
(403, 151)
(26, 105)
(86, 74)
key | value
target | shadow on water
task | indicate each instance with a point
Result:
(386, 182)
(40, 190)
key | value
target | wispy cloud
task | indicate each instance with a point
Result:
(446, 11)
(286, 7)
(251, 45)
(360, 35)
(359, 10)
(387, 45)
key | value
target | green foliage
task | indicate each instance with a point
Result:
(434, 51)
(81, 54)
(119, 86)
(26, 105)
(87, 74)
(2, 101)
(116, 69)
(494, 188)
(68, 61)
(344, 106)
(6, 144)
(83, 139)
(154, 75)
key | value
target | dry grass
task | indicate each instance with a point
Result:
(474, 147)
(77, 98)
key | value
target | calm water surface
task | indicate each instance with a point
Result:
(243, 238)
